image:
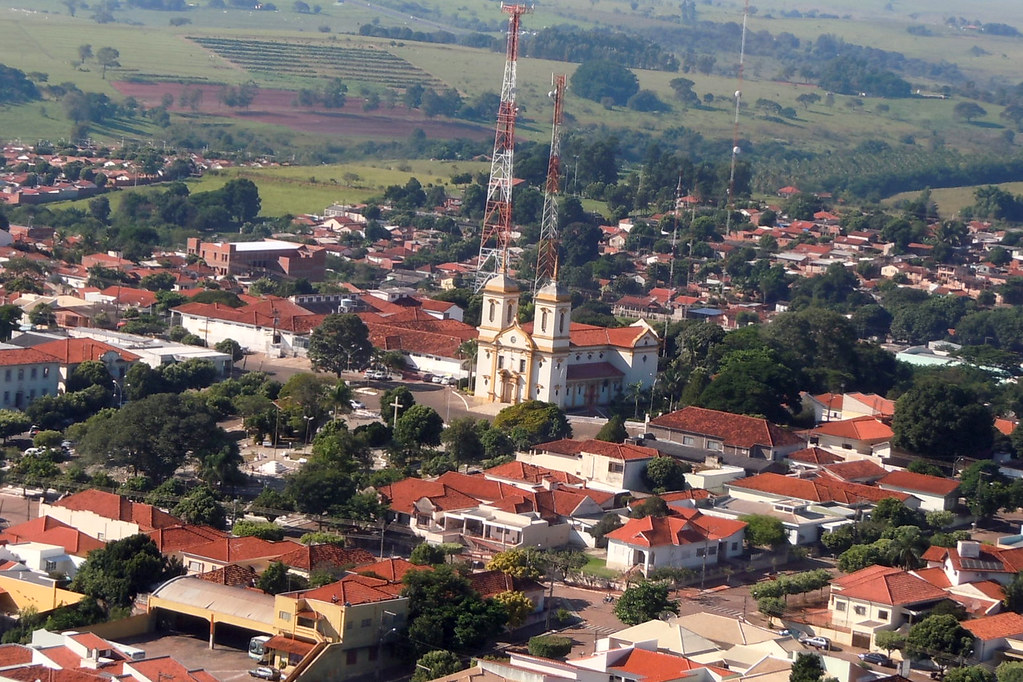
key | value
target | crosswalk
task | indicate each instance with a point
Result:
(602, 629)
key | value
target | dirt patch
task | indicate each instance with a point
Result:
(276, 108)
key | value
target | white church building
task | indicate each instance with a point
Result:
(553, 359)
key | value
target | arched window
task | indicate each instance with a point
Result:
(561, 323)
(491, 311)
(543, 321)
(511, 312)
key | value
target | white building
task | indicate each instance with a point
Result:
(688, 540)
(26, 374)
(552, 359)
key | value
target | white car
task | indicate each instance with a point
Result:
(816, 642)
(357, 405)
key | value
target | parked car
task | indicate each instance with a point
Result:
(265, 672)
(357, 405)
(428, 378)
(877, 658)
(377, 374)
(816, 642)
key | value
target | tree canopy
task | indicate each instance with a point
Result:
(340, 343)
(943, 420)
(644, 601)
(122, 569)
(600, 79)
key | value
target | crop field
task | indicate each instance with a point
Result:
(290, 59)
(951, 200)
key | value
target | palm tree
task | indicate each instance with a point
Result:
(635, 393)
(339, 397)
(468, 350)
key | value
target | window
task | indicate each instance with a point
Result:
(366, 622)
(21, 374)
(522, 365)
(195, 566)
(735, 546)
(491, 313)
(352, 657)
(50, 566)
(840, 605)
(882, 615)
(714, 445)
(34, 373)
(561, 323)
(543, 321)
(511, 312)
(7, 375)
(500, 362)
(285, 616)
(688, 440)
(860, 610)
(616, 467)
(712, 550)
(373, 653)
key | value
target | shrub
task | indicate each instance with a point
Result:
(550, 646)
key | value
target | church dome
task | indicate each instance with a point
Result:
(554, 292)
(501, 284)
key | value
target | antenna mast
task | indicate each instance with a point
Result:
(735, 129)
(496, 235)
(547, 249)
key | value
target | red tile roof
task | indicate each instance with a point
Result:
(231, 549)
(529, 473)
(857, 471)
(923, 483)
(50, 531)
(351, 590)
(232, 574)
(816, 490)
(735, 430)
(24, 356)
(997, 626)
(935, 576)
(593, 370)
(865, 428)
(656, 666)
(881, 406)
(76, 351)
(176, 538)
(116, 507)
(623, 451)
(884, 585)
(14, 654)
(1000, 560)
(682, 529)
(415, 331)
(815, 455)
(391, 570)
(289, 645)
(288, 315)
(311, 557)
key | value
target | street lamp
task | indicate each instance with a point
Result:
(308, 423)
(120, 393)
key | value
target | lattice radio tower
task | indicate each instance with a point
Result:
(547, 249)
(496, 235)
(736, 150)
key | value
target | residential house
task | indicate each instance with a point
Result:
(253, 552)
(839, 497)
(725, 432)
(106, 516)
(615, 467)
(686, 539)
(275, 326)
(304, 560)
(812, 459)
(862, 471)
(992, 634)
(73, 352)
(854, 438)
(934, 492)
(970, 562)
(878, 598)
(50, 531)
(26, 374)
(804, 522)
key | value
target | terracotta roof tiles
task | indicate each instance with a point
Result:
(116, 507)
(997, 626)
(735, 430)
(931, 485)
(884, 585)
(682, 529)
(76, 351)
(816, 490)
(861, 428)
(51, 531)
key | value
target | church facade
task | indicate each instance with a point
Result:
(574, 366)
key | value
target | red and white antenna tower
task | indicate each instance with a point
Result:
(547, 250)
(496, 235)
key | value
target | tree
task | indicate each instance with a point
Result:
(340, 343)
(650, 506)
(764, 531)
(532, 422)
(90, 373)
(666, 473)
(807, 668)
(644, 601)
(84, 52)
(943, 420)
(434, 664)
(154, 436)
(518, 563)
(462, 440)
(201, 507)
(107, 58)
(276, 579)
(1014, 593)
(942, 638)
(123, 569)
(13, 423)
(445, 612)
(426, 554)
(772, 607)
(607, 523)
(599, 79)
(230, 347)
(967, 111)
(244, 528)
(1009, 671)
(613, 431)
(550, 646)
(420, 425)
(889, 640)
(970, 673)
(892, 512)
(517, 605)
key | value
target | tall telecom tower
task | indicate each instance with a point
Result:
(496, 235)
(547, 249)
(735, 129)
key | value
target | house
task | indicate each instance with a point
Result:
(854, 438)
(804, 522)
(725, 432)
(616, 467)
(862, 471)
(934, 492)
(26, 374)
(73, 352)
(427, 343)
(878, 598)
(252, 552)
(686, 539)
(842, 497)
(106, 516)
(50, 531)
(812, 459)
(306, 559)
(272, 325)
(970, 562)
(991, 634)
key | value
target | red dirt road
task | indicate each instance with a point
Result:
(276, 107)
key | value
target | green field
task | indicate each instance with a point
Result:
(309, 189)
(951, 200)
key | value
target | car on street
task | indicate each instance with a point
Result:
(377, 374)
(357, 405)
(816, 642)
(265, 672)
(877, 658)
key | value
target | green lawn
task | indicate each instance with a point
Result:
(951, 200)
(596, 566)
